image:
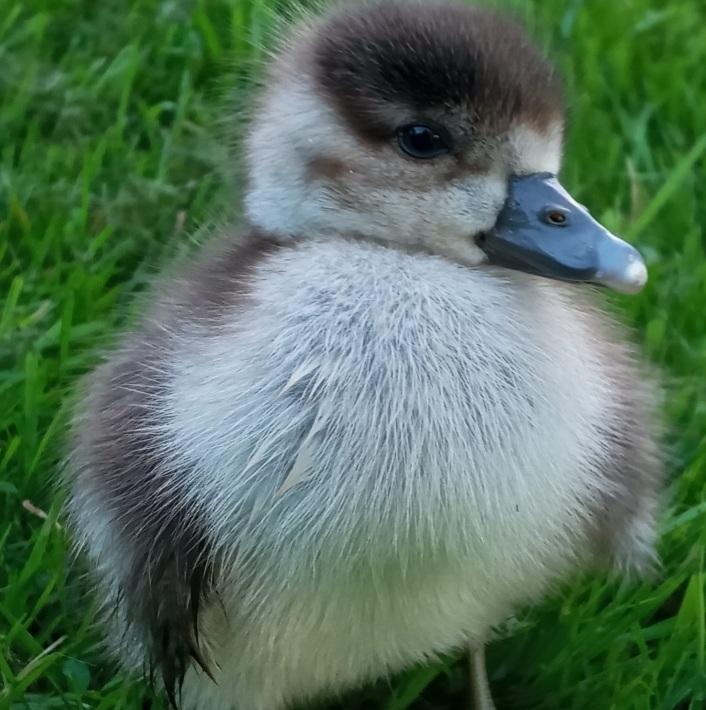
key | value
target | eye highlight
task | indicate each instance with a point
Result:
(422, 142)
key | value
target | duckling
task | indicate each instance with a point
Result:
(388, 411)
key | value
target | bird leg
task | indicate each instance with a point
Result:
(480, 689)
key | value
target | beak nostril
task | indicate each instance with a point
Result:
(555, 217)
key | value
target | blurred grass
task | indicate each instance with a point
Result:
(109, 159)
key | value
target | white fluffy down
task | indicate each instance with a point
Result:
(442, 426)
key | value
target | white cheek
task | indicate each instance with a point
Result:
(478, 201)
(534, 152)
(443, 221)
(464, 211)
(294, 127)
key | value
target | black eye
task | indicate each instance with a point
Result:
(421, 141)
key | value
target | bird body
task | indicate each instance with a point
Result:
(340, 443)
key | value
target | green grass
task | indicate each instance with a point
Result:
(109, 115)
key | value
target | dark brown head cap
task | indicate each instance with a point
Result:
(433, 56)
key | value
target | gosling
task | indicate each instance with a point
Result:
(366, 427)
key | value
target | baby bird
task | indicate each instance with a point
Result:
(363, 430)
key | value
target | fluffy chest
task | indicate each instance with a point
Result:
(368, 399)
(413, 445)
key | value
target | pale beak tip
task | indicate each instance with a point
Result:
(629, 280)
(636, 275)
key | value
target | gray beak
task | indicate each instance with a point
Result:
(542, 230)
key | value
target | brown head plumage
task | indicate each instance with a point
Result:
(442, 57)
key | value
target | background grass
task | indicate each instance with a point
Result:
(108, 115)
